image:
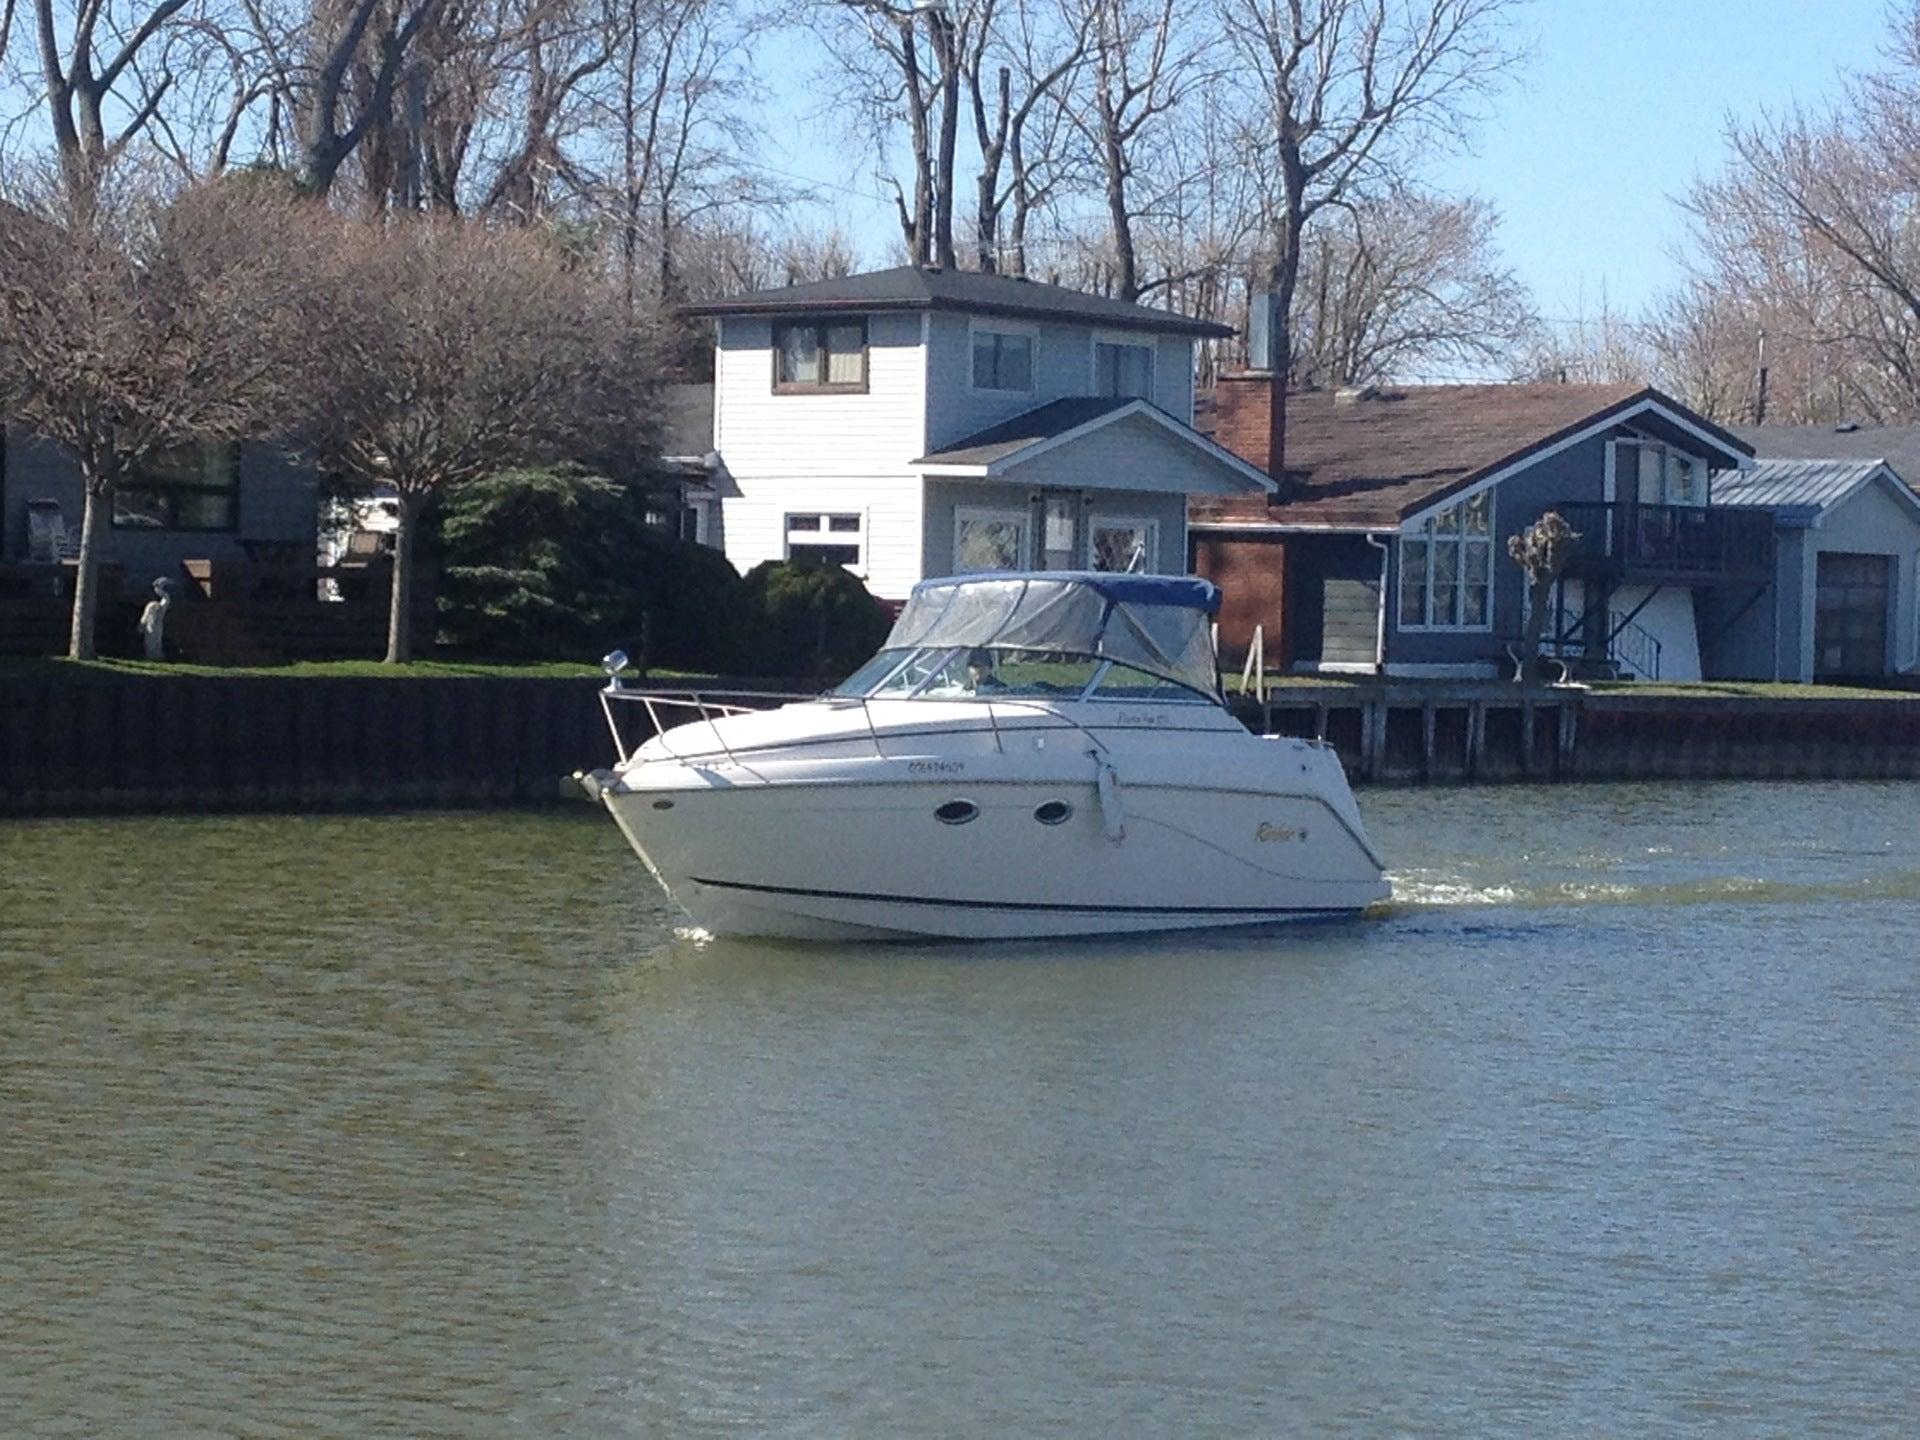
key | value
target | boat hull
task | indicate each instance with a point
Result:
(851, 855)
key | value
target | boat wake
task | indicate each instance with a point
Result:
(1427, 890)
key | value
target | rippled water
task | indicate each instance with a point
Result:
(432, 1125)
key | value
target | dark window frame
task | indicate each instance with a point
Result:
(820, 325)
(999, 335)
(138, 483)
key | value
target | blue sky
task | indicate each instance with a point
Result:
(1621, 106)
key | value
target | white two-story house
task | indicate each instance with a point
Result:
(911, 423)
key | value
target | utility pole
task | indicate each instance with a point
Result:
(1760, 387)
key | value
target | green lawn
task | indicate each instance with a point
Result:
(322, 669)
(1291, 685)
(1748, 689)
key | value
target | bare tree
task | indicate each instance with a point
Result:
(1044, 61)
(681, 131)
(469, 349)
(1542, 551)
(88, 76)
(907, 64)
(1343, 89)
(358, 49)
(130, 327)
(1403, 286)
(1140, 65)
(1601, 346)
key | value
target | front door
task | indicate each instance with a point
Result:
(1850, 616)
(1060, 527)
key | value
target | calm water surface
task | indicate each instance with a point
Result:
(434, 1125)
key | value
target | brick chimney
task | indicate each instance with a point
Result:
(1242, 414)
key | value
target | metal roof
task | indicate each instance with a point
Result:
(1820, 483)
(1898, 445)
(909, 287)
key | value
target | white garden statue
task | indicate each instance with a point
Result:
(153, 619)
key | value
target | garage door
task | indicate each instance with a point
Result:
(1850, 616)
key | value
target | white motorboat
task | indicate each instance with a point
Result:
(1029, 755)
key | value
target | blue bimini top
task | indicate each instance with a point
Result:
(1157, 623)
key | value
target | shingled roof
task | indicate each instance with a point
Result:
(908, 287)
(1372, 459)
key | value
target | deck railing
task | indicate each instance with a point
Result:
(1698, 543)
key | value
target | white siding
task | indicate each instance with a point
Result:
(760, 433)
(849, 453)
(1063, 368)
(1173, 377)
(754, 522)
(823, 453)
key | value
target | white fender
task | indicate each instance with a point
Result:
(1113, 812)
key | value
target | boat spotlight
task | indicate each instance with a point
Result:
(612, 663)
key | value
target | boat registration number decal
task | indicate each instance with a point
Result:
(936, 767)
(1268, 834)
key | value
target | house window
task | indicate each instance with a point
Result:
(1446, 570)
(826, 539)
(1648, 472)
(1124, 545)
(1123, 369)
(989, 540)
(191, 487)
(1002, 360)
(682, 521)
(811, 356)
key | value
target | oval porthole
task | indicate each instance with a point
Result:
(956, 812)
(663, 804)
(1054, 812)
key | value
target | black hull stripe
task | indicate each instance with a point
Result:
(1034, 905)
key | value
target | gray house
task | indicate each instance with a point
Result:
(1385, 548)
(1845, 599)
(216, 502)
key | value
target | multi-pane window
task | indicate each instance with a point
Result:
(1002, 360)
(1123, 369)
(989, 540)
(811, 355)
(825, 539)
(1124, 545)
(1446, 571)
(1648, 472)
(193, 487)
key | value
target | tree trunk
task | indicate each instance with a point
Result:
(86, 577)
(1118, 217)
(1540, 593)
(1282, 280)
(400, 611)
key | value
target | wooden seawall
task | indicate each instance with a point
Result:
(113, 743)
(109, 743)
(1437, 734)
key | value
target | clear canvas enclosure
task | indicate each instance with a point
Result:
(1159, 625)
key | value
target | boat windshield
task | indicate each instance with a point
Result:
(997, 672)
(1050, 633)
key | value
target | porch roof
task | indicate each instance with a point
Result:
(993, 452)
